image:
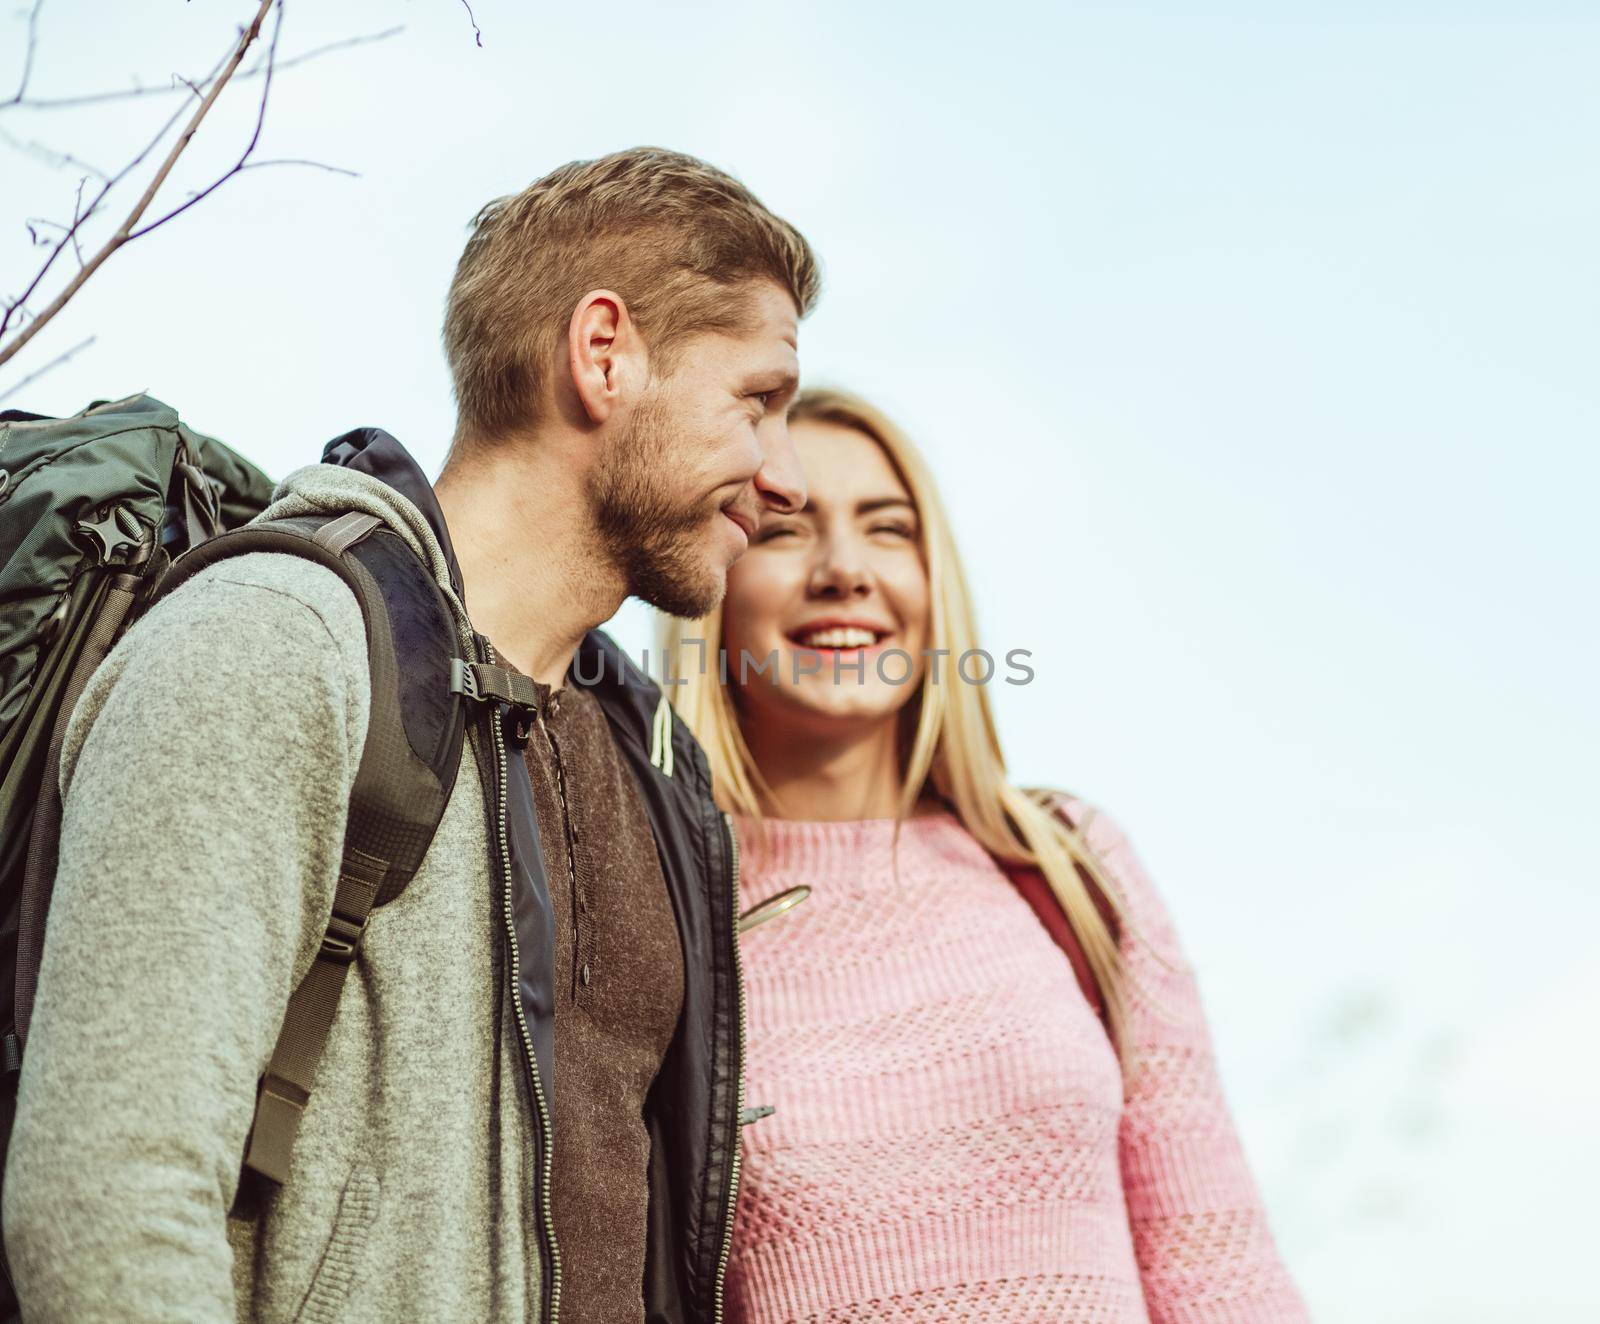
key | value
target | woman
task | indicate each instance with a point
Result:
(955, 1133)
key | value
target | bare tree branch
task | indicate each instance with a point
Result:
(296, 161)
(472, 19)
(130, 228)
(178, 83)
(77, 221)
(317, 52)
(16, 305)
(249, 147)
(40, 372)
(27, 59)
(49, 155)
(70, 231)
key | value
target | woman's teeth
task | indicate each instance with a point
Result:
(838, 637)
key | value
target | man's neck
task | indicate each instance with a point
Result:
(536, 581)
(828, 772)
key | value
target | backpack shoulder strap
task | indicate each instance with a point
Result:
(1036, 891)
(407, 770)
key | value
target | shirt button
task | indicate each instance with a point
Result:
(584, 974)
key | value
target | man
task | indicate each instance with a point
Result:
(529, 1100)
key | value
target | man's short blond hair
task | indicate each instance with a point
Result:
(678, 239)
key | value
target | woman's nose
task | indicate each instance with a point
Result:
(839, 572)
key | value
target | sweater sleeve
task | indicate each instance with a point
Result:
(204, 779)
(1205, 1252)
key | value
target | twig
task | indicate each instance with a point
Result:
(50, 155)
(44, 270)
(316, 52)
(179, 82)
(472, 19)
(27, 59)
(67, 230)
(77, 221)
(249, 147)
(40, 372)
(130, 225)
(296, 161)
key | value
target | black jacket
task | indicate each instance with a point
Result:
(692, 1111)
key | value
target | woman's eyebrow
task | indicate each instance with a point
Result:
(879, 503)
(866, 505)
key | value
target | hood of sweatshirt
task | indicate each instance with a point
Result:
(368, 470)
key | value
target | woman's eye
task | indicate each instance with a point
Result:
(778, 531)
(900, 530)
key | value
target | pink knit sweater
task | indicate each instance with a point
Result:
(953, 1137)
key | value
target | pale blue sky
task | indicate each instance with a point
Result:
(1256, 350)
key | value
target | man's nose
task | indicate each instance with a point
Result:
(780, 482)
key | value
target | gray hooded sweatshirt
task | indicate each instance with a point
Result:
(205, 779)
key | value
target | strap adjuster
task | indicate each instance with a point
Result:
(341, 940)
(479, 682)
(463, 681)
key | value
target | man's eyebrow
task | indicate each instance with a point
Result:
(775, 379)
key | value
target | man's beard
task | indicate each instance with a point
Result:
(652, 540)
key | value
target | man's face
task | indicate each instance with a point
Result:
(683, 484)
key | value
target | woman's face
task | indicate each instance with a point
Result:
(832, 592)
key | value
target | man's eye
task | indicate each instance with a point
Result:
(765, 397)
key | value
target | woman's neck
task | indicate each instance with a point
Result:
(832, 774)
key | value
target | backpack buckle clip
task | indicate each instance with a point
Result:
(112, 540)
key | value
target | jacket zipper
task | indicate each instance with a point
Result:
(730, 1206)
(553, 1305)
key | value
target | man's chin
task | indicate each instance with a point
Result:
(682, 592)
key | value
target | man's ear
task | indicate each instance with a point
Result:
(605, 354)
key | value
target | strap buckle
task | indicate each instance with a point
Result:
(479, 682)
(464, 680)
(341, 940)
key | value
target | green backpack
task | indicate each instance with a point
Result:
(100, 515)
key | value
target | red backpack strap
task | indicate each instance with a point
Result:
(1036, 891)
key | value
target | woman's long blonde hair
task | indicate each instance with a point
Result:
(953, 747)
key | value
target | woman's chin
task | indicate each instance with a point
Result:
(844, 704)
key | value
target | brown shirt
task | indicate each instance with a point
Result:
(619, 991)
